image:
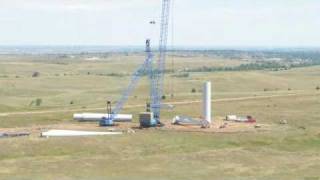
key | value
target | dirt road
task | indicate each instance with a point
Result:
(142, 105)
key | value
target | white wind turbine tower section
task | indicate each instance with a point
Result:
(207, 102)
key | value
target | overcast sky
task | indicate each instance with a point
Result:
(125, 22)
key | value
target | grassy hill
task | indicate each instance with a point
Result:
(282, 152)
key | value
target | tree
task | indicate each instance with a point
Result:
(35, 74)
(38, 102)
(193, 90)
(318, 88)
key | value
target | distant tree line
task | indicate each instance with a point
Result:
(283, 54)
(276, 66)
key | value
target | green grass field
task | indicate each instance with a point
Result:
(284, 152)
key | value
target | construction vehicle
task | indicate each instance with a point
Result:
(155, 71)
(107, 121)
(147, 120)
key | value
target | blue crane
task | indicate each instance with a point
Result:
(156, 74)
(145, 68)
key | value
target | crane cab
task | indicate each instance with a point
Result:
(147, 120)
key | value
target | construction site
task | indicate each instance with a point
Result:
(160, 112)
(154, 67)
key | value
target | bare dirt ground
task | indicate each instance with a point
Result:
(219, 126)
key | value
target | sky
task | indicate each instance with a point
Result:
(227, 23)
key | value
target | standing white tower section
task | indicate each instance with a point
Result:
(207, 102)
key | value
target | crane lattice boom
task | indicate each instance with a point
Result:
(158, 77)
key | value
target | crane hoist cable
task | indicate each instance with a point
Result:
(172, 50)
